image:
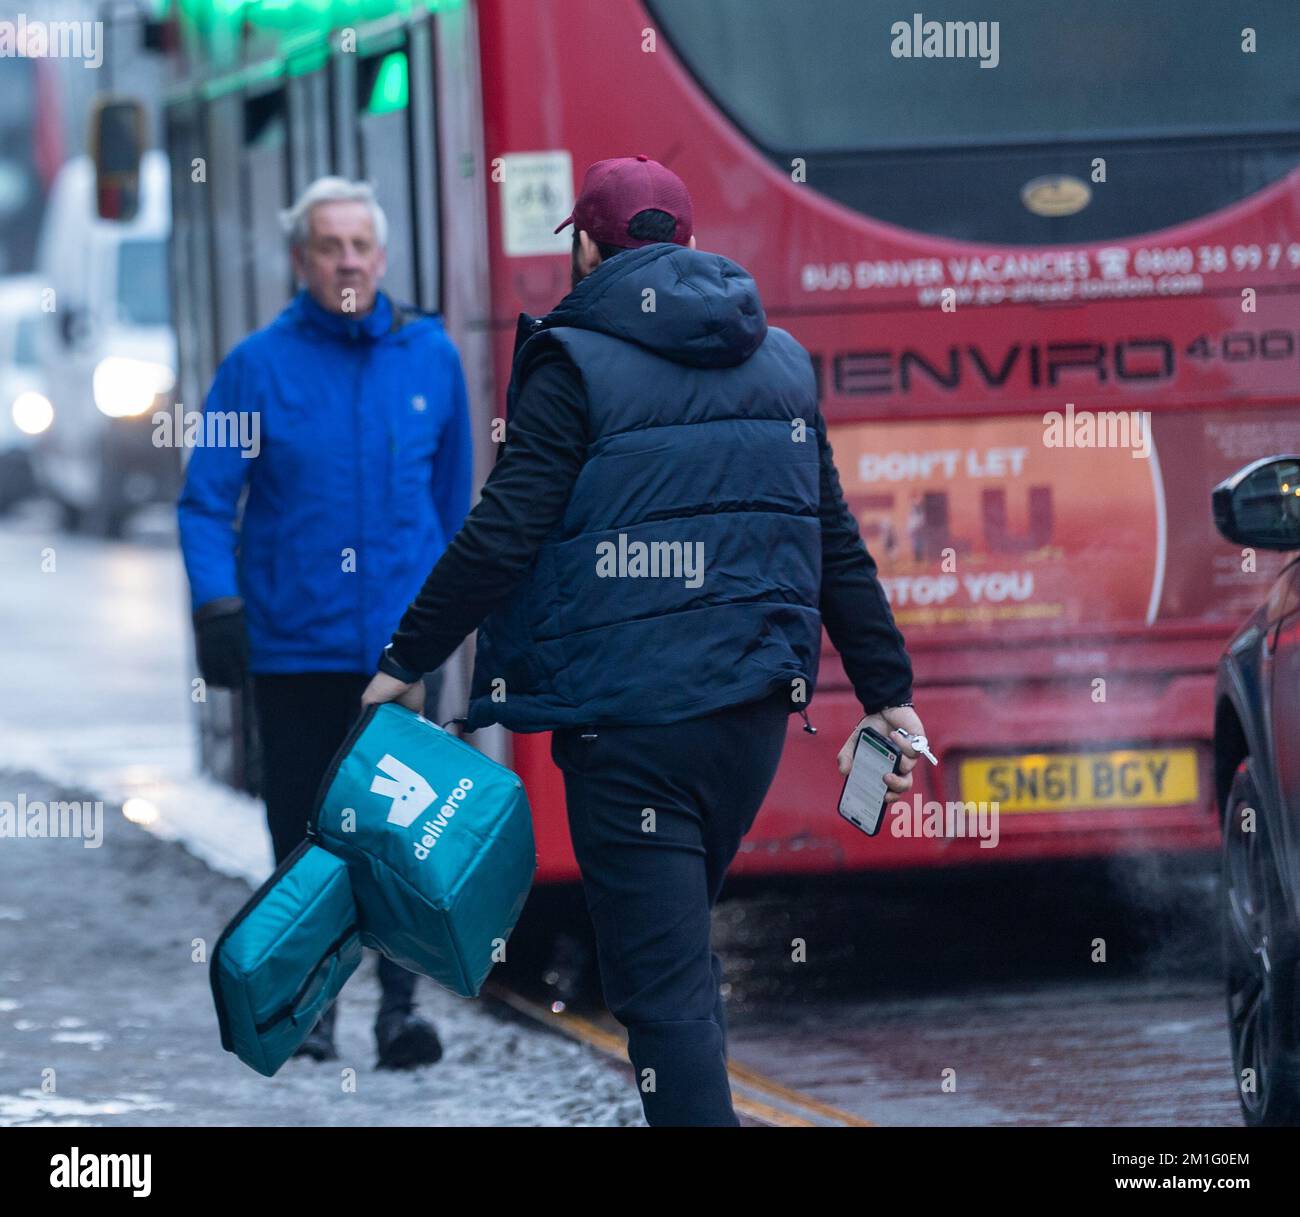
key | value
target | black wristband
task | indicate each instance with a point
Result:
(390, 667)
(893, 705)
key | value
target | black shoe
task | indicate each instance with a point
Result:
(319, 1045)
(405, 1040)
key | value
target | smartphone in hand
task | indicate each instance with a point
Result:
(862, 801)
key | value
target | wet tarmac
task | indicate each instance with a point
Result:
(984, 997)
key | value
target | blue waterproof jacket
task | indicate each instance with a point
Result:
(362, 474)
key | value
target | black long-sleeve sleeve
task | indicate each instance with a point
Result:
(854, 609)
(523, 499)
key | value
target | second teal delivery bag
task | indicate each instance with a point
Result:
(439, 843)
(284, 957)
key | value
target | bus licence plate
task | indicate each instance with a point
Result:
(1068, 781)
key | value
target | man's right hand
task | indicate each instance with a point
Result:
(221, 641)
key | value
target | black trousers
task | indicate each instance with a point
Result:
(303, 717)
(656, 815)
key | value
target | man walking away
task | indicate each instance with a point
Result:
(652, 560)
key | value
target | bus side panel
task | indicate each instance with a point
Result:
(866, 299)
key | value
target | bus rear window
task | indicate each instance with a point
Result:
(820, 76)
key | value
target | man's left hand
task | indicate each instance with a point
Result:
(383, 687)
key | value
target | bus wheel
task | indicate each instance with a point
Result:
(1260, 959)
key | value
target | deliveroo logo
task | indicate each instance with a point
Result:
(410, 793)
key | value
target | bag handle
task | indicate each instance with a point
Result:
(317, 983)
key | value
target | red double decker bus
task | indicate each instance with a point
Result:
(1046, 265)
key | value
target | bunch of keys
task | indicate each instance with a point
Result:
(918, 744)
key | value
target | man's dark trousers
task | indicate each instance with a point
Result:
(656, 814)
(303, 718)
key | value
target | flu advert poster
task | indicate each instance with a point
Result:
(1008, 525)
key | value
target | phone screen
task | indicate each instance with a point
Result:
(863, 800)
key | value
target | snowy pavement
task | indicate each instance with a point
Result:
(104, 1016)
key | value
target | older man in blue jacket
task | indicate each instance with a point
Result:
(360, 476)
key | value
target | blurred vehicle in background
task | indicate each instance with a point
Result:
(25, 409)
(1257, 771)
(31, 148)
(108, 349)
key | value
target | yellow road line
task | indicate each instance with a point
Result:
(760, 1081)
(767, 1114)
(615, 1045)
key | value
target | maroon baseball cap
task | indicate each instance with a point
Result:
(614, 190)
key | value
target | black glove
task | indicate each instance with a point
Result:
(221, 640)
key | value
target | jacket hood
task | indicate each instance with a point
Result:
(706, 308)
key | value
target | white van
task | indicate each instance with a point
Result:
(25, 409)
(108, 350)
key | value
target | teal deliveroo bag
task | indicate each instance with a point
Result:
(284, 957)
(439, 841)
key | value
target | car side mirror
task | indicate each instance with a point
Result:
(1260, 504)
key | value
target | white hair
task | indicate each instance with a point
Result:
(295, 220)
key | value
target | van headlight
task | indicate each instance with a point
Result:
(32, 412)
(127, 387)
